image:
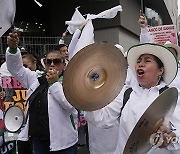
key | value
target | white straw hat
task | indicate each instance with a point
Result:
(168, 44)
(120, 47)
(164, 54)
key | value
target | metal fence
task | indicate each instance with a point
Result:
(34, 45)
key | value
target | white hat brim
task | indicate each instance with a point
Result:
(177, 48)
(164, 54)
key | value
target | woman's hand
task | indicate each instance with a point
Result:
(52, 76)
(142, 20)
(168, 135)
(13, 40)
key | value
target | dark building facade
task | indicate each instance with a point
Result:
(49, 20)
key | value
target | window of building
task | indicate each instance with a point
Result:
(30, 28)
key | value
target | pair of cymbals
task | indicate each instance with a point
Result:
(94, 76)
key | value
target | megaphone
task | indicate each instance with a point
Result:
(14, 119)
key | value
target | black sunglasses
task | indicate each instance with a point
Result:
(55, 61)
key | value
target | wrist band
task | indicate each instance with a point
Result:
(13, 50)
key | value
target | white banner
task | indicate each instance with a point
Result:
(7, 14)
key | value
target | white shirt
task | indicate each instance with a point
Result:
(140, 99)
(4, 71)
(100, 139)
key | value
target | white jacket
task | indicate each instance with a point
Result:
(62, 133)
(102, 140)
(140, 99)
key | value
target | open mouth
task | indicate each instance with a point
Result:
(140, 72)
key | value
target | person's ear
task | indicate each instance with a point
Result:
(161, 71)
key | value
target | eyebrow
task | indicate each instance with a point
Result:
(146, 57)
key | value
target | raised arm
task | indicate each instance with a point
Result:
(14, 62)
(75, 39)
(144, 34)
(61, 41)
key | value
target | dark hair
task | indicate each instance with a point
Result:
(56, 52)
(34, 58)
(59, 46)
(30, 57)
(159, 62)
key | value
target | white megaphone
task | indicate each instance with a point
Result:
(14, 119)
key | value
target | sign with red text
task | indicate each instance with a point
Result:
(162, 34)
(15, 93)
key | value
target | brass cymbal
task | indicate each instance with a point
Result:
(158, 113)
(94, 76)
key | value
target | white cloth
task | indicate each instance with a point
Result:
(75, 22)
(77, 19)
(145, 36)
(130, 78)
(61, 41)
(140, 99)
(102, 140)
(4, 71)
(62, 133)
(176, 81)
(88, 31)
(73, 43)
(110, 13)
(86, 37)
(8, 9)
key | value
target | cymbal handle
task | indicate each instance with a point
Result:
(95, 76)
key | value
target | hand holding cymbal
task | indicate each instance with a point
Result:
(144, 135)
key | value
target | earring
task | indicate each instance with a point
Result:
(159, 78)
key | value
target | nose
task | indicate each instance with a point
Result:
(67, 53)
(141, 64)
(52, 64)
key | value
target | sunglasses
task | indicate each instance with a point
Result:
(55, 61)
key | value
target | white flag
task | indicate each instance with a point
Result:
(87, 34)
(86, 38)
(76, 21)
(7, 14)
(110, 13)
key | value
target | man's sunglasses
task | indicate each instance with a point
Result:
(55, 61)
